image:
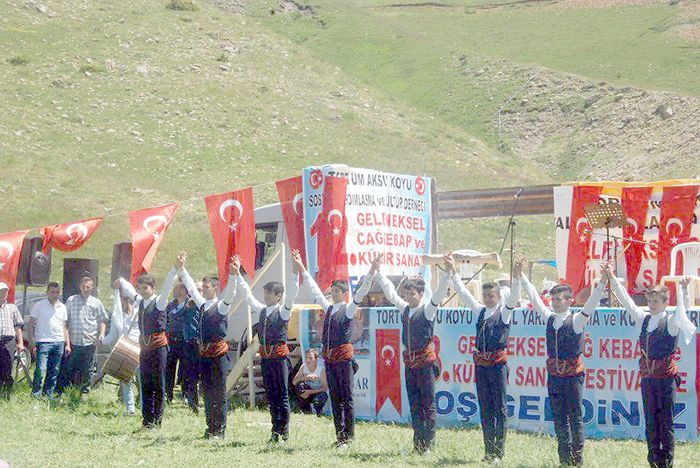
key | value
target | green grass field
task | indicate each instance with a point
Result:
(95, 433)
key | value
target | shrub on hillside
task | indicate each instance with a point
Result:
(183, 5)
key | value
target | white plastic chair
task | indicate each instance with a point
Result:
(690, 251)
(466, 270)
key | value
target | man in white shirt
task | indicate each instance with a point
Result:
(418, 320)
(50, 320)
(338, 351)
(660, 330)
(564, 333)
(491, 356)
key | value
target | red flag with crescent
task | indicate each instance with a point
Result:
(291, 195)
(69, 236)
(330, 228)
(10, 253)
(579, 238)
(388, 363)
(677, 207)
(147, 231)
(635, 203)
(232, 220)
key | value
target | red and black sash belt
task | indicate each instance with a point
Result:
(213, 349)
(420, 358)
(155, 340)
(491, 358)
(567, 367)
(344, 352)
(275, 351)
(663, 368)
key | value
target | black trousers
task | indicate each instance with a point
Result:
(191, 374)
(659, 397)
(491, 391)
(7, 354)
(173, 375)
(152, 368)
(77, 368)
(566, 398)
(276, 381)
(420, 386)
(214, 372)
(340, 383)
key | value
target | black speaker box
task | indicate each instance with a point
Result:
(121, 261)
(76, 268)
(34, 267)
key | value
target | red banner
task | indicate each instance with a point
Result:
(292, 201)
(579, 235)
(147, 230)
(677, 207)
(330, 228)
(388, 368)
(232, 220)
(635, 203)
(10, 253)
(68, 237)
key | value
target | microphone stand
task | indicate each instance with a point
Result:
(511, 229)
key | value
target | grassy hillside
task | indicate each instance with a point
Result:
(114, 106)
(462, 61)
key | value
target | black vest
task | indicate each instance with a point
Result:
(417, 330)
(176, 322)
(336, 328)
(273, 329)
(564, 343)
(152, 320)
(659, 343)
(212, 325)
(491, 334)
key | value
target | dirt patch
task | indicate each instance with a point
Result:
(485, 6)
(593, 130)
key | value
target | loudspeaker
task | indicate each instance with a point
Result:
(34, 267)
(76, 268)
(121, 261)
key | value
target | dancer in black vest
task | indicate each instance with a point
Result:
(175, 312)
(213, 348)
(491, 357)
(190, 336)
(564, 363)
(154, 340)
(418, 320)
(337, 349)
(272, 331)
(658, 339)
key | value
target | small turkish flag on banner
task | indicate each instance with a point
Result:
(635, 202)
(68, 237)
(232, 220)
(10, 252)
(292, 200)
(579, 239)
(147, 230)
(388, 368)
(330, 228)
(677, 207)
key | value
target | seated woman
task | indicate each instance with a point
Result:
(310, 383)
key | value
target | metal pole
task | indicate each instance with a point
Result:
(251, 370)
(500, 109)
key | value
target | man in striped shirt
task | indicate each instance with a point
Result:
(10, 333)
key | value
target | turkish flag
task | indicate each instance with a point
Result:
(147, 230)
(635, 203)
(10, 253)
(677, 207)
(388, 368)
(232, 220)
(292, 202)
(69, 236)
(579, 240)
(330, 228)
